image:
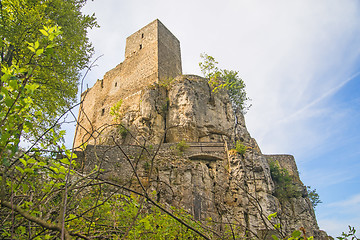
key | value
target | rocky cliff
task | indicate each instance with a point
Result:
(180, 136)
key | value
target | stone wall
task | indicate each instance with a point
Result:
(169, 56)
(285, 161)
(152, 53)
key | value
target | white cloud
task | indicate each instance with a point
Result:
(340, 215)
(352, 203)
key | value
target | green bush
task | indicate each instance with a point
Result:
(284, 183)
(313, 196)
(240, 148)
(180, 147)
(228, 80)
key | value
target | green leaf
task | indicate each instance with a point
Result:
(54, 169)
(23, 161)
(296, 234)
(45, 33)
(5, 162)
(36, 45)
(275, 237)
(51, 46)
(31, 161)
(41, 164)
(272, 215)
(39, 52)
(13, 84)
(31, 49)
(65, 161)
(32, 87)
(29, 170)
(51, 37)
(25, 187)
(19, 169)
(4, 78)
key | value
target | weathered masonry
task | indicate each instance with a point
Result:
(151, 54)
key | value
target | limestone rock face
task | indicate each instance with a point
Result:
(206, 177)
(196, 114)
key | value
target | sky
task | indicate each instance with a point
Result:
(300, 60)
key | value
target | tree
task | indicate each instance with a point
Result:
(56, 71)
(313, 196)
(44, 194)
(225, 79)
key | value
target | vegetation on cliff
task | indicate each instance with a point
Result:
(225, 79)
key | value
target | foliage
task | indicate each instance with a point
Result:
(351, 235)
(127, 215)
(30, 182)
(29, 44)
(17, 97)
(166, 82)
(180, 147)
(240, 148)
(115, 111)
(284, 184)
(225, 79)
(295, 235)
(313, 196)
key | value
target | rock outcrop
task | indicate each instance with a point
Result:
(196, 167)
(171, 134)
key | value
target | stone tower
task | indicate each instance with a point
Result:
(151, 54)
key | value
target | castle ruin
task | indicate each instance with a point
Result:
(151, 54)
(206, 177)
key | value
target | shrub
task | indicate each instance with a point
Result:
(228, 80)
(240, 147)
(284, 184)
(181, 147)
(115, 110)
(313, 196)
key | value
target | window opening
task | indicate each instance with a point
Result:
(140, 46)
(142, 35)
(102, 112)
(115, 84)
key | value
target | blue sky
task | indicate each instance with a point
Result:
(300, 60)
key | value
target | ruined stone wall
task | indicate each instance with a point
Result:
(151, 53)
(285, 161)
